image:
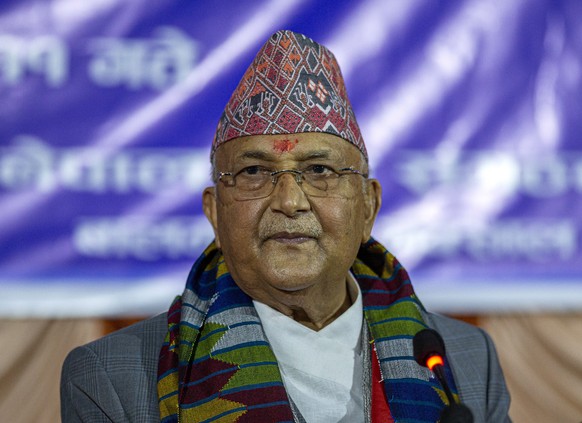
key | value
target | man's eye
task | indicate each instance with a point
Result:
(254, 170)
(319, 170)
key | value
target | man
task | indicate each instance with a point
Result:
(293, 313)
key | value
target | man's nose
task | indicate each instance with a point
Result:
(288, 196)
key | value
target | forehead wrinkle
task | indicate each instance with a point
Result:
(296, 155)
(255, 154)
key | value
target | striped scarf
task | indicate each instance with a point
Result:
(216, 364)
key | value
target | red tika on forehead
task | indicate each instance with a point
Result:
(293, 85)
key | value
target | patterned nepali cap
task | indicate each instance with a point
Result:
(293, 85)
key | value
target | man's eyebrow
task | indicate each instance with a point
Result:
(316, 154)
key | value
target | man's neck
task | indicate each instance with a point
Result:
(317, 314)
(302, 317)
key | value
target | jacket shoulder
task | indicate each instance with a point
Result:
(115, 377)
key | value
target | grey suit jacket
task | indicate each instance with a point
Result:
(114, 378)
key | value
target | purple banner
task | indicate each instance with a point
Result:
(471, 112)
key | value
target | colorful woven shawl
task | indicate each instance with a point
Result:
(217, 366)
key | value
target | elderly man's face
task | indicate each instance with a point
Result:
(289, 241)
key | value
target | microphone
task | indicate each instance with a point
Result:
(429, 351)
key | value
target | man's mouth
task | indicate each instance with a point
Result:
(291, 237)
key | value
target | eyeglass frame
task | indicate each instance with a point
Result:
(297, 174)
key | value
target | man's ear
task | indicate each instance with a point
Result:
(373, 201)
(209, 207)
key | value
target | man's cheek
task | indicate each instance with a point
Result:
(341, 213)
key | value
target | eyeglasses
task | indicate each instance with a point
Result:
(255, 182)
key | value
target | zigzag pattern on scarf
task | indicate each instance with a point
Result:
(226, 369)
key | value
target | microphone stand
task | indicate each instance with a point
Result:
(455, 412)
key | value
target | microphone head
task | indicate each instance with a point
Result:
(427, 343)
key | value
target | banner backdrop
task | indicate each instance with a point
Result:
(471, 111)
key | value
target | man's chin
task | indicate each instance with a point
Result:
(293, 279)
(295, 254)
(293, 261)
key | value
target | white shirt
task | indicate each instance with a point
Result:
(321, 370)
